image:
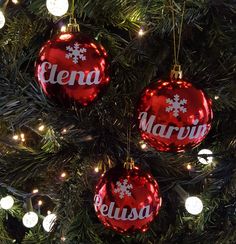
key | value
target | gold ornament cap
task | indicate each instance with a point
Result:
(73, 26)
(176, 72)
(129, 163)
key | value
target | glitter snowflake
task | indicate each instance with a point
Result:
(76, 53)
(123, 188)
(176, 105)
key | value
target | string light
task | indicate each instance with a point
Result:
(40, 202)
(7, 202)
(30, 219)
(189, 167)
(22, 136)
(35, 191)
(141, 32)
(63, 28)
(41, 128)
(57, 7)
(15, 137)
(63, 238)
(49, 222)
(63, 175)
(64, 130)
(2, 19)
(206, 160)
(96, 169)
(216, 97)
(15, 1)
(194, 205)
(143, 145)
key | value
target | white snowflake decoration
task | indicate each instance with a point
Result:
(76, 53)
(176, 105)
(123, 188)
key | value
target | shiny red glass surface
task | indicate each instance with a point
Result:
(173, 116)
(72, 68)
(136, 209)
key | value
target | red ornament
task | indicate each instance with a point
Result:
(72, 68)
(127, 200)
(174, 116)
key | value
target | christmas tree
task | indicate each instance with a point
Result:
(53, 153)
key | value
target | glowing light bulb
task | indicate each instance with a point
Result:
(143, 145)
(40, 202)
(64, 130)
(189, 167)
(63, 28)
(63, 174)
(96, 169)
(15, 1)
(30, 219)
(141, 32)
(206, 160)
(57, 7)
(41, 128)
(22, 136)
(35, 191)
(2, 19)
(15, 137)
(216, 97)
(63, 238)
(49, 222)
(194, 205)
(7, 202)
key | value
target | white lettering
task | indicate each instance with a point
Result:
(90, 76)
(120, 213)
(60, 77)
(163, 131)
(144, 125)
(145, 212)
(133, 214)
(180, 135)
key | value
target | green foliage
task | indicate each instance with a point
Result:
(76, 140)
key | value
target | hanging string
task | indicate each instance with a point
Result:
(173, 31)
(177, 50)
(73, 26)
(128, 141)
(73, 9)
(181, 30)
(129, 162)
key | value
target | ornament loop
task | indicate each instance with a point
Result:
(129, 163)
(176, 72)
